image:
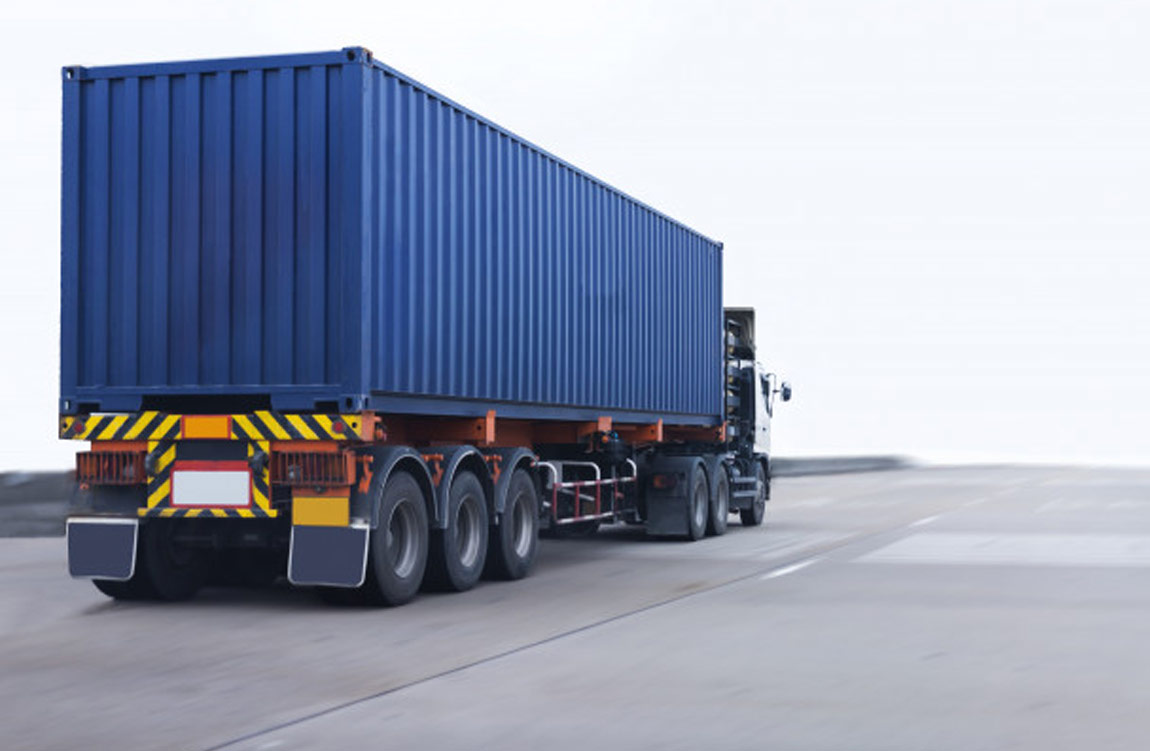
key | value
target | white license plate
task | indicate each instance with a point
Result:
(211, 488)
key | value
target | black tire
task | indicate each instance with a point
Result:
(753, 516)
(720, 502)
(131, 590)
(459, 552)
(512, 544)
(698, 504)
(165, 570)
(176, 572)
(247, 568)
(397, 552)
(341, 595)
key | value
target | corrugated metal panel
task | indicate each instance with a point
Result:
(197, 220)
(320, 227)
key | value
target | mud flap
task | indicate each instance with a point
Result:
(667, 509)
(328, 556)
(102, 548)
(666, 515)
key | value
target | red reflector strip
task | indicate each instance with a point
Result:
(110, 467)
(314, 469)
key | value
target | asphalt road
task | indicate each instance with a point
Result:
(981, 608)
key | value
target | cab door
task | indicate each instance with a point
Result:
(764, 403)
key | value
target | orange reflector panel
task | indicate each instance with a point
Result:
(207, 426)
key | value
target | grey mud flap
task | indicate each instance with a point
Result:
(666, 515)
(328, 556)
(667, 508)
(102, 548)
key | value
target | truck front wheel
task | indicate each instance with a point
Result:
(753, 516)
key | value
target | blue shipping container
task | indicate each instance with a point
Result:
(321, 231)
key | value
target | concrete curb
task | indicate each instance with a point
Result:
(836, 465)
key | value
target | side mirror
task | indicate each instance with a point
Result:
(785, 391)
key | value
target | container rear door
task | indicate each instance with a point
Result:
(201, 243)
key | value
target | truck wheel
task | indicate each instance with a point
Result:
(169, 570)
(139, 587)
(165, 570)
(459, 552)
(511, 546)
(249, 569)
(341, 596)
(753, 516)
(397, 552)
(720, 502)
(132, 589)
(698, 503)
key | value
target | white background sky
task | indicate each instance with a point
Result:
(939, 208)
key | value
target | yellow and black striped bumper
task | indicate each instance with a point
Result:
(163, 433)
(254, 426)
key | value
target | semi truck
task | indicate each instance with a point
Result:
(320, 321)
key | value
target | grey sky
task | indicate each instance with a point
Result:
(939, 207)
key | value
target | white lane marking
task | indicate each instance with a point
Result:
(816, 501)
(1125, 503)
(803, 540)
(924, 521)
(1016, 549)
(1072, 505)
(790, 569)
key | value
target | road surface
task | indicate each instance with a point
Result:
(970, 608)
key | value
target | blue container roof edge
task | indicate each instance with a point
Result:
(354, 54)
